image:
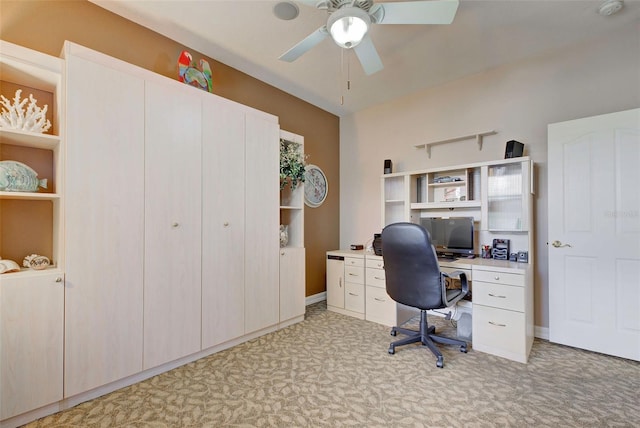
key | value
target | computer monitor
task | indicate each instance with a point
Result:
(451, 236)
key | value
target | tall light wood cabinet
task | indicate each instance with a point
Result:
(261, 222)
(173, 214)
(165, 244)
(104, 222)
(223, 221)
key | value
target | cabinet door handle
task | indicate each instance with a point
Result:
(352, 294)
(497, 324)
(225, 224)
(499, 297)
(353, 274)
(282, 253)
(497, 278)
(377, 277)
(58, 279)
(377, 299)
(175, 224)
(340, 283)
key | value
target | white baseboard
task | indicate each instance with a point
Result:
(310, 300)
(541, 332)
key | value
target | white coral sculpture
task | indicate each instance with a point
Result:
(14, 116)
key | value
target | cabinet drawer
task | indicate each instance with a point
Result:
(375, 263)
(375, 278)
(354, 297)
(498, 329)
(380, 307)
(498, 295)
(354, 261)
(498, 277)
(354, 274)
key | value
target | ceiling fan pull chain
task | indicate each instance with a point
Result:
(341, 74)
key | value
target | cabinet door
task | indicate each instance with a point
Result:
(223, 234)
(262, 222)
(104, 214)
(31, 335)
(173, 213)
(335, 283)
(508, 188)
(292, 283)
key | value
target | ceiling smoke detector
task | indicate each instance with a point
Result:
(286, 10)
(609, 7)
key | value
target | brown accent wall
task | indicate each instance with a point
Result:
(45, 25)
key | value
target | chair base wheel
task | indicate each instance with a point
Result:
(392, 350)
(393, 333)
(463, 349)
(440, 362)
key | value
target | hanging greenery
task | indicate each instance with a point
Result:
(292, 164)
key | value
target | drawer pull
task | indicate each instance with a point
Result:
(377, 299)
(377, 277)
(497, 324)
(499, 297)
(352, 274)
(497, 278)
(353, 294)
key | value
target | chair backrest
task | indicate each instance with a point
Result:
(411, 266)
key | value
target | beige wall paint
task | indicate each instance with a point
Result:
(517, 100)
(45, 25)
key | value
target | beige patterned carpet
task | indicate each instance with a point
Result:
(334, 371)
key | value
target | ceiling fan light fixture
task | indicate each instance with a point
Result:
(348, 26)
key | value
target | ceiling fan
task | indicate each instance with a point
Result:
(349, 22)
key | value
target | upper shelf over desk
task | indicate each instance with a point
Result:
(478, 138)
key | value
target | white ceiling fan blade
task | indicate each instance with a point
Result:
(416, 12)
(368, 56)
(305, 45)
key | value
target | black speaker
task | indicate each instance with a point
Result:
(387, 166)
(377, 244)
(514, 149)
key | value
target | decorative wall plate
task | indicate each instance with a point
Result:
(316, 186)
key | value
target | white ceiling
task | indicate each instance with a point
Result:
(246, 35)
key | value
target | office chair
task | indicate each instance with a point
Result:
(413, 278)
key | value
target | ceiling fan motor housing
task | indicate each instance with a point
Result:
(361, 4)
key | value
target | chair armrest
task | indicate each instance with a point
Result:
(463, 283)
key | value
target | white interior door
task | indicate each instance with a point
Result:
(594, 233)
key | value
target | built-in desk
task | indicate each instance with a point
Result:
(502, 309)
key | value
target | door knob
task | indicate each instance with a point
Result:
(559, 244)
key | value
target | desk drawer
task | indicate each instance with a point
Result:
(354, 261)
(354, 274)
(375, 278)
(498, 295)
(380, 307)
(375, 263)
(354, 297)
(498, 277)
(498, 329)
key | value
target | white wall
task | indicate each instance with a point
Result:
(518, 100)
